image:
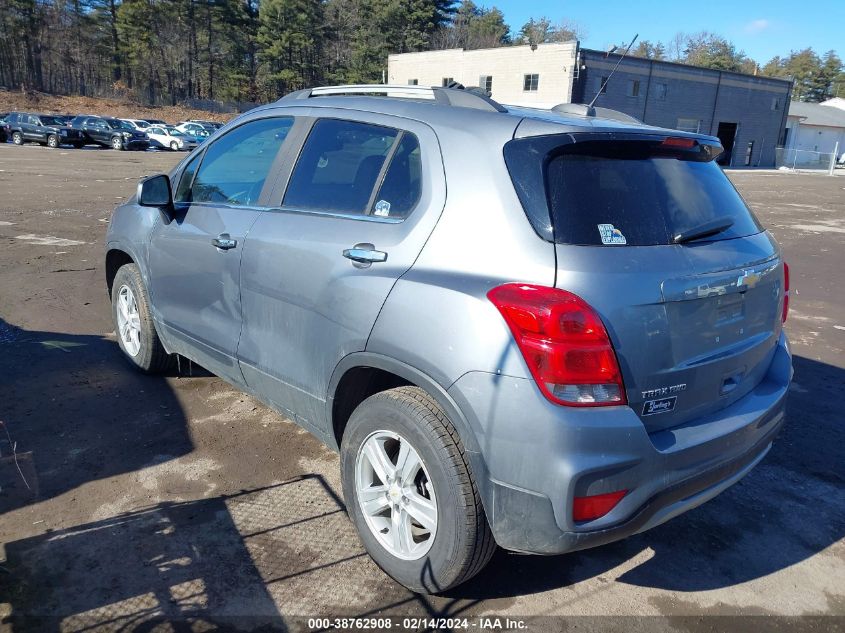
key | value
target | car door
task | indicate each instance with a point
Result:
(195, 257)
(97, 130)
(155, 134)
(39, 130)
(349, 217)
(29, 128)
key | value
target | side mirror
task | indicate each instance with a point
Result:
(155, 191)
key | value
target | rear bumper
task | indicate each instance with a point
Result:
(539, 457)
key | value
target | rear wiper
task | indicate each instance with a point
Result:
(706, 229)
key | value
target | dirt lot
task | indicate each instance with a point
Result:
(180, 499)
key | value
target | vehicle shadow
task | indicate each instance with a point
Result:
(788, 509)
(76, 412)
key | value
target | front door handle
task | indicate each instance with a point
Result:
(365, 254)
(224, 242)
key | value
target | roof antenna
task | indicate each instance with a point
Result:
(604, 84)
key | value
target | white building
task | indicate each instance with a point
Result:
(813, 130)
(540, 77)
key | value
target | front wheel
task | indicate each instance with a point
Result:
(117, 143)
(174, 146)
(17, 138)
(52, 141)
(410, 492)
(133, 322)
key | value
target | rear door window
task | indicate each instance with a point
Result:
(339, 166)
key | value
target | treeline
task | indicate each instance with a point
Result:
(168, 51)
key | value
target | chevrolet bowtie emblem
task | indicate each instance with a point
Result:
(748, 278)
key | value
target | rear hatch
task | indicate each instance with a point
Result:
(650, 232)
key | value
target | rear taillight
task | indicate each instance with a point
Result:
(564, 343)
(785, 292)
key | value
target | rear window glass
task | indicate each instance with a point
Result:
(615, 193)
(338, 166)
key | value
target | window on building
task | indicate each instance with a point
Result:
(634, 88)
(689, 125)
(447, 81)
(602, 87)
(486, 82)
(776, 103)
(530, 83)
(660, 92)
(413, 82)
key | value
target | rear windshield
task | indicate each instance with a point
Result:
(638, 193)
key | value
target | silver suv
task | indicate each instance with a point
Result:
(545, 330)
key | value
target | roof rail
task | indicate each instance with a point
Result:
(581, 109)
(458, 97)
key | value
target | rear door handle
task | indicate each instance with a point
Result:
(224, 242)
(365, 253)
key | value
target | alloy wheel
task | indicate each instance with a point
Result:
(396, 495)
(128, 321)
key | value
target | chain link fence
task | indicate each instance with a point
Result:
(807, 160)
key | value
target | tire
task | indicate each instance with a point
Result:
(174, 146)
(116, 143)
(149, 356)
(462, 543)
(17, 138)
(52, 141)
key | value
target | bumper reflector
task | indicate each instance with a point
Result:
(593, 507)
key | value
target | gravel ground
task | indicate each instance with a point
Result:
(177, 501)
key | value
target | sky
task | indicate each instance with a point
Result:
(762, 28)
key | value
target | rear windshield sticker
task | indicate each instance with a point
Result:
(611, 235)
(382, 208)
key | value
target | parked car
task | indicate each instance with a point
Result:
(211, 126)
(155, 121)
(194, 129)
(46, 129)
(546, 330)
(138, 124)
(109, 132)
(5, 131)
(170, 138)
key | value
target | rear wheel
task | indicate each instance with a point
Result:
(53, 141)
(410, 491)
(117, 143)
(17, 138)
(134, 325)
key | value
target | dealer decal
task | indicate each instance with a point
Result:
(663, 405)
